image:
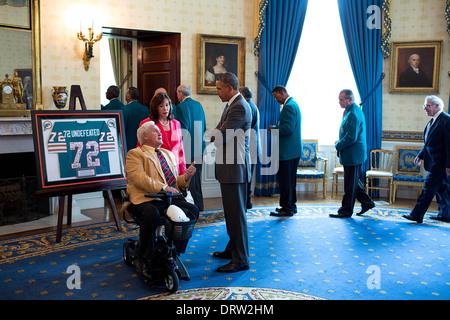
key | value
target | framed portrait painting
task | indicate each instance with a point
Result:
(218, 55)
(415, 67)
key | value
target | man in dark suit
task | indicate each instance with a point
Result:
(254, 139)
(133, 114)
(290, 150)
(352, 151)
(233, 171)
(191, 116)
(112, 95)
(436, 157)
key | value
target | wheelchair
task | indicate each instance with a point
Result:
(166, 267)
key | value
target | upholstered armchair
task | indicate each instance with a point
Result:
(407, 173)
(308, 169)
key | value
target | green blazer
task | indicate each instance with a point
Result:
(191, 116)
(351, 147)
(290, 130)
(114, 104)
(133, 114)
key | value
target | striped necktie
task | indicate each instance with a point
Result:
(170, 178)
(430, 124)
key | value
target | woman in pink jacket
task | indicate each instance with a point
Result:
(161, 113)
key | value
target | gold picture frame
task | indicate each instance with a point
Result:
(215, 52)
(35, 48)
(415, 67)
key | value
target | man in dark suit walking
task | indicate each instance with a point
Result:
(233, 171)
(352, 151)
(436, 157)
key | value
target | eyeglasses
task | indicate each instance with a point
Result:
(428, 105)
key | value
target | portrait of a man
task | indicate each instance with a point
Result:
(414, 76)
(415, 67)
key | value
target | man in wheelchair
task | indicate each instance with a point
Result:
(151, 170)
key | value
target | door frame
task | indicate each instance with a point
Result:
(148, 35)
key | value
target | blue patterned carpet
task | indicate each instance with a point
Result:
(309, 256)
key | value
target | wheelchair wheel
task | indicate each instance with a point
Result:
(127, 257)
(171, 280)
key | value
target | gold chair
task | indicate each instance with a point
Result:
(338, 171)
(407, 172)
(308, 167)
(381, 166)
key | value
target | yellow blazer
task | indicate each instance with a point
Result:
(144, 173)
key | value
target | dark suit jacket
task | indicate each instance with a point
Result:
(254, 143)
(133, 114)
(114, 104)
(191, 116)
(232, 153)
(436, 150)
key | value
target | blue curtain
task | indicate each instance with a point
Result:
(366, 58)
(278, 48)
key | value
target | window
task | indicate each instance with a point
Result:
(106, 70)
(321, 70)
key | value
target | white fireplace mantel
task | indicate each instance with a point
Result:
(16, 135)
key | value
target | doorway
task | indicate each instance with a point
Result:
(155, 60)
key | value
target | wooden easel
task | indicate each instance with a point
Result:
(75, 92)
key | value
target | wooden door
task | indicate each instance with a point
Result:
(158, 66)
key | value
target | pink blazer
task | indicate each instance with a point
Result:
(173, 141)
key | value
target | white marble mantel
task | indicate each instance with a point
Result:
(16, 135)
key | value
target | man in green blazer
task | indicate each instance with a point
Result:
(352, 152)
(133, 114)
(112, 94)
(290, 150)
(191, 116)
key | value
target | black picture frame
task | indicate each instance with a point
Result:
(79, 151)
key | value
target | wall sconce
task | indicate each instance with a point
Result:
(88, 45)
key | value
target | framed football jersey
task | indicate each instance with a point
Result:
(77, 151)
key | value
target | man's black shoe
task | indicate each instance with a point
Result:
(339, 215)
(410, 217)
(222, 254)
(231, 267)
(279, 209)
(142, 269)
(365, 209)
(282, 213)
(440, 219)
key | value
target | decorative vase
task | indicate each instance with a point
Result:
(60, 95)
